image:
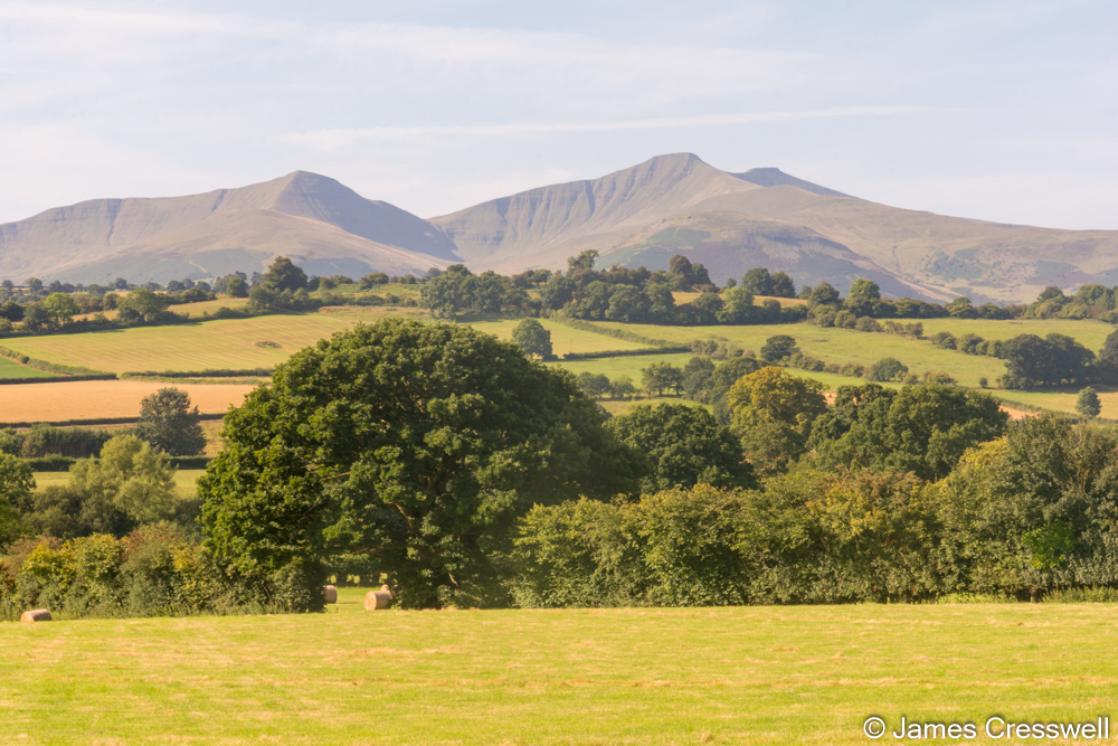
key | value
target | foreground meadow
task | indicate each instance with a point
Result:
(762, 675)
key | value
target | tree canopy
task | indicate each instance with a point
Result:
(170, 423)
(681, 445)
(416, 444)
(531, 337)
(772, 412)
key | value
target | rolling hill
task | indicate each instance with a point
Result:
(642, 215)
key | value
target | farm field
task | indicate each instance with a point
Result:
(623, 365)
(91, 400)
(1060, 401)
(186, 480)
(11, 369)
(265, 341)
(564, 339)
(204, 307)
(836, 345)
(761, 675)
(621, 406)
(1089, 333)
(257, 342)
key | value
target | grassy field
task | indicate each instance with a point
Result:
(11, 369)
(836, 346)
(186, 480)
(564, 339)
(764, 675)
(1091, 334)
(205, 307)
(258, 342)
(90, 400)
(630, 365)
(265, 341)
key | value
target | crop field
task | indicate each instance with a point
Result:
(762, 675)
(257, 342)
(204, 307)
(564, 339)
(836, 346)
(91, 400)
(186, 480)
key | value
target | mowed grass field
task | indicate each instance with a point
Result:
(186, 480)
(92, 400)
(762, 675)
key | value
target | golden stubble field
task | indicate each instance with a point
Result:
(92, 400)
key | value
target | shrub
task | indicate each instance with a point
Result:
(887, 369)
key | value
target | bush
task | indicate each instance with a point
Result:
(887, 369)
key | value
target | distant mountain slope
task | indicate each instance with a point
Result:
(543, 226)
(770, 177)
(640, 215)
(313, 218)
(731, 221)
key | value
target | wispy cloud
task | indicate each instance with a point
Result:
(334, 138)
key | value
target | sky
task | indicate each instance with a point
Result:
(1003, 111)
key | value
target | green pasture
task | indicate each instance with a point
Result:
(257, 342)
(1089, 333)
(625, 365)
(564, 339)
(186, 480)
(11, 369)
(836, 346)
(761, 675)
(623, 406)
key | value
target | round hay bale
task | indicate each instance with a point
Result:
(35, 615)
(381, 599)
(330, 593)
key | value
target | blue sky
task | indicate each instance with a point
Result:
(1004, 111)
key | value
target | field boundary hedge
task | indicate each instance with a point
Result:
(625, 334)
(213, 373)
(59, 379)
(625, 353)
(63, 463)
(64, 371)
(96, 421)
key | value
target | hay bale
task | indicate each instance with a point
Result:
(331, 594)
(35, 615)
(381, 599)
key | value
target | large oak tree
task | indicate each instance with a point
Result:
(418, 444)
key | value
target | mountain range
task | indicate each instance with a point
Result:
(670, 204)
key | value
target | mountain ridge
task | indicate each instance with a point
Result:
(643, 214)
